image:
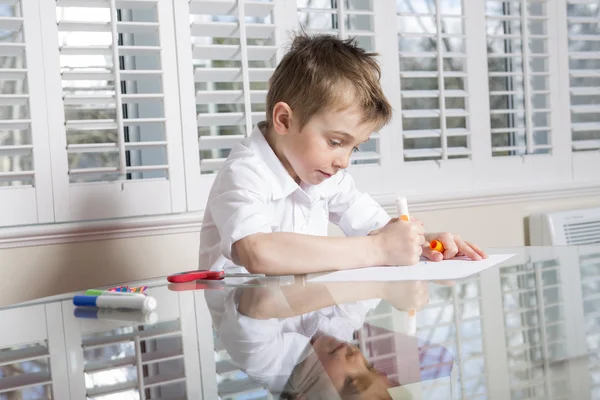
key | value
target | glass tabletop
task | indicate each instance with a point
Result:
(526, 329)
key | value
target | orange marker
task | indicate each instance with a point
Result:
(402, 207)
(410, 323)
(436, 245)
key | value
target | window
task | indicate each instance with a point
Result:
(432, 54)
(139, 103)
(519, 79)
(234, 55)
(584, 73)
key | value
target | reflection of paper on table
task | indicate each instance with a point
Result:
(425, 270)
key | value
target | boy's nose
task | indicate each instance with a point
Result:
(342, 162)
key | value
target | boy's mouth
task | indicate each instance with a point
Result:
(325, 174)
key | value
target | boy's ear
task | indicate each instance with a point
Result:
(282, 118)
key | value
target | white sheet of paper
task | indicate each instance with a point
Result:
(423, 271)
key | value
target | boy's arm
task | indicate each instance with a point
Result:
(283, 253)
(241, 215)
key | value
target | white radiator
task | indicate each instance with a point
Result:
(572, 227)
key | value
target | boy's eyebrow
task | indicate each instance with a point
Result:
(347, 135)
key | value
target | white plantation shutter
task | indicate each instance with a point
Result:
(234, 54)
(344, 19)
(114, 108)
(583, 24)
(433, 84)
(25, 191)
(519, 78)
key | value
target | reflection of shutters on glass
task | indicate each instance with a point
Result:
(234, 55)
(583, 20)
(590, 288)
(432, 52)
(119, 109)
(29, 354)
(536, 338)
(451, 324)
(135, 360)
(517, 45)
(233, 383)
(24, 171)
(357, 21)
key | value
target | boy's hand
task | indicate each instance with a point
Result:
(453, 246)
(399, 242)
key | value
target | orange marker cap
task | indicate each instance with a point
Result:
(404, 218)
(436, 245)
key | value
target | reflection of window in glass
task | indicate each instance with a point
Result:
(518, 78)
(120, 363)
(584, 74)
(432, 57)
(16, 147)
(25, 372)
(534, 317)
(113, 132)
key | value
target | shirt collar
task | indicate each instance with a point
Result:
(282, 183)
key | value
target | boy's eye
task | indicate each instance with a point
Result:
(335, 143)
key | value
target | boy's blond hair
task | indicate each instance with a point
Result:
(322, 72)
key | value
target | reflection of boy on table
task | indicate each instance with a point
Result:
(295, 339)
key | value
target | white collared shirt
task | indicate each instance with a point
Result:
(253, 193)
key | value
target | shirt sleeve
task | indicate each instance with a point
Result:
(354, 212)
(240, 206)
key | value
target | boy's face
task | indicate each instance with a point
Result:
(324, 145)
(348, 369)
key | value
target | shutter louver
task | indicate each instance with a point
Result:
(234, 55)
(583, 20)
(517, 45)
(431, 44)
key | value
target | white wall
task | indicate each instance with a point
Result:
(31, 272)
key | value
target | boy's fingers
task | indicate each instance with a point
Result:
(468, 251)
(451, 248)
(432, 254)
(477, 249)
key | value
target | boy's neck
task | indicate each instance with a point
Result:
(274, 141)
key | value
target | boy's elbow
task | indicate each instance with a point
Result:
(252, 254)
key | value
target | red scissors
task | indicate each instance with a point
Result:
(189, 276)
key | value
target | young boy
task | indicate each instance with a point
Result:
(270, 204)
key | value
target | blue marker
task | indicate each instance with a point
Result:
(134, 302)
